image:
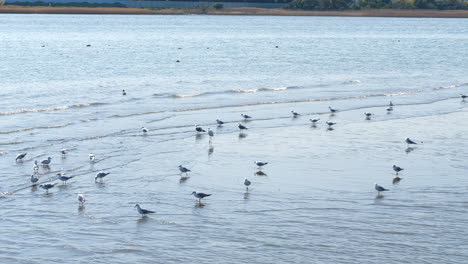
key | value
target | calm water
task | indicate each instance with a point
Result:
(315, 203)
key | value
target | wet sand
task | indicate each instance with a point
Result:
(233, 11)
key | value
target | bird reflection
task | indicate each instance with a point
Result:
(143, 219)
(210, 150)
(183, 179)
(330, 129)
(246, 195)
(408, 150)
(199, 205)
(198, 137)
(242, 135)
(260, 173)
(396, 180)
(379, 196)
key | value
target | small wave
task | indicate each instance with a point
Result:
(49, 109)
(273, 89)
(137, 114)
(243, 90)
(10, 143)
(276, 89)
(448, 86)
(2, 153)
(352, 81)
(404, 92)
(32, 128)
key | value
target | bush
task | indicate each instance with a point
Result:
(218, 5)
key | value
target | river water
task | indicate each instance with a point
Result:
(61, 82)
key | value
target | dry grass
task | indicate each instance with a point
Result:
(234, 11)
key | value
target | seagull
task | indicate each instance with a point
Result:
(246, 116)
(183, 169)
(314, 121)
(379, 188)
(295, 114)
(410, 142)
(20, 157)
(330, 124)
(199, 129)
(92, 157)
(46, 162)
(397, 169)
(463, 97)
(219, 122)
(63, 178)
(144, 129)
(200, 195)
(123, 92)
(210, 133)
(35, 166)
(34, 180)
(64, 152)
(247, 184)
(390, 104)
(332, 110)
(81, 199)
(47, 186)
(368, 114)
(101, 175)
(143, 211)
(389, 109)
(260, 164)
(241, 127)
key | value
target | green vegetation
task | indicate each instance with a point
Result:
(218, 6)
(377, 4)
(74, 4)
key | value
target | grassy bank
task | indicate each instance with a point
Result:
(234, 11)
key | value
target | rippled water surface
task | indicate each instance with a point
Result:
(61, 82)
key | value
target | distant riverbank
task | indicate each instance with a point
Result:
(234, 11)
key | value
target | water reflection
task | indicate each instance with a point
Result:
(408, 150)
(260, 173)
(246, 195)
(183, 179)
(396, 180)
(242, 135)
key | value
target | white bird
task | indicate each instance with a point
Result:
(20, 157)
(143, 211)
(92, 157)
(332, 110)
(397, 169)
(379, 188)
(315, 120)
(210, 133)
(295, 114)
(81, 199)
(246, 116)
(35, 167)
(144, 130)
(247, 184)
(200, 195)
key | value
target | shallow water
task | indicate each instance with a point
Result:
(315, 201)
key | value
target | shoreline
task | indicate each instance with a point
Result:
(419, 13)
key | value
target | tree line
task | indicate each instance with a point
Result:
(377, 4)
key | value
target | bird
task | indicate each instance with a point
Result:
(246, 116)
(200, 195)
(389, 109)
(101, 175)
(46, 162)
(35, 167)
(144, 130)
(295, 114)
(247, 184)
(332, 110)
(123, 92)
(390, 104)
(47, 186)
(379, 188)
(20, 157)
(219, 122)
(241, 127)
(260, 164)
(183, 169)
(34, 179)
(63, 178)
(368, 115)
(143, 211)
(199, 129)
(64, 152)
(81, 199)
(410, 142)
(92, 157)
(330, 124)
(314, 121)
(397, 169)
(463, 96)
(210, 133)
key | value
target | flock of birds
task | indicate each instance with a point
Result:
(184, 171)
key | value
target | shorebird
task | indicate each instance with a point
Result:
(295, 114)
(330, 124)
(46, 162)
(389, 109)
(241, 127)
(390, 104)
(35, 167)
(314, 121)
(144, 130)
(246, 116)
(34, 180)
(63, 178)
(210, 133)
(183, 169)
(397, 169)
(463, 97)
(199, 129)
(379, 189)
(20, 157)
(410, 142)
(219, 122)
(332, 110)
(368, 115)
(260, 164)
(142, 211)
(101, 175)
(123, 92)
(247, 184)
(81, 199)
(47, 186)
(64, 152)
(92, 157)
(200, 195)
